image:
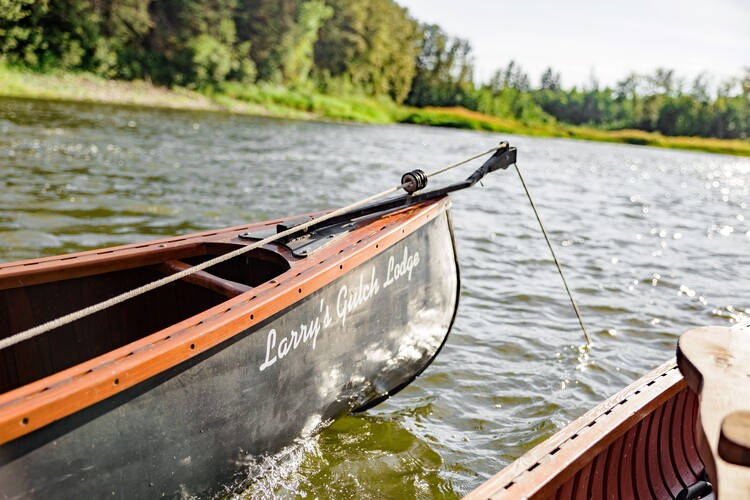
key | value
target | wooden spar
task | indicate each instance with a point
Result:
(637, 444)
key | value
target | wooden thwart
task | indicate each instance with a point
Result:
(223, 286)
(715, 362)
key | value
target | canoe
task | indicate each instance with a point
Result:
(167, 392)
(640, 443)
(178, 391)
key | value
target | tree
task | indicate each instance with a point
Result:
(51, 33)
(298, 42)
(265, 24)
(193, 43)
(550, 80)
(508, 95)
(512, 77)
(15, 29)
(444, 72)
(124, 26)
(745, 83)
(373, 44)
(663, 81)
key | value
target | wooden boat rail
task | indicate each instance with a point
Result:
(640, 443)
(39, 403)
(49, 269)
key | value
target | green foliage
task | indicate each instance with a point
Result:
(371, 44)
(357, 108)
(444, 71)
(265, 23)
(50, 34)
(211, 60)
(441, 119)
(348, 59)
(655, 103)
(297, 58)
(125, 24)
(13, 29)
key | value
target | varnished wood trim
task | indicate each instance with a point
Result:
(37, 404)
(561, 458)
(80, 264)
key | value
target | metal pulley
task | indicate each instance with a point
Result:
(414, 181)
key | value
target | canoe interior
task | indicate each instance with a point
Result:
(640, 443)
(57, 294)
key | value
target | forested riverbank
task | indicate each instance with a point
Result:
(362, 60)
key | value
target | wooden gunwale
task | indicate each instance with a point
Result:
(552, 464)
(44, 401)
(80, 264)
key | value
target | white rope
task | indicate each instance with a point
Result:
(554, 257)
(87, 311)
(467, 160)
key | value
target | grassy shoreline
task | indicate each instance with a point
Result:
(279, 102)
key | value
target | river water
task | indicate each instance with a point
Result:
(653, 242)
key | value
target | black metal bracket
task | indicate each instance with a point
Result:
(504, 157)
(302, 243)
(318, 236)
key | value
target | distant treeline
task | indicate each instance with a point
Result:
(367, 47)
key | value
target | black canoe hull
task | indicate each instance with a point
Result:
(191, 428)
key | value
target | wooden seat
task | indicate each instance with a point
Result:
(734, 440)
(223, 286)
(715, 362)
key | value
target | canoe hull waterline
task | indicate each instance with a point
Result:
(184, 410)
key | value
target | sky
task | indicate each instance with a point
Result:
(608, 39)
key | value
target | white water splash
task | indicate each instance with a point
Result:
(274, 476)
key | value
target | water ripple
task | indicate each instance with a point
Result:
(653, 242)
